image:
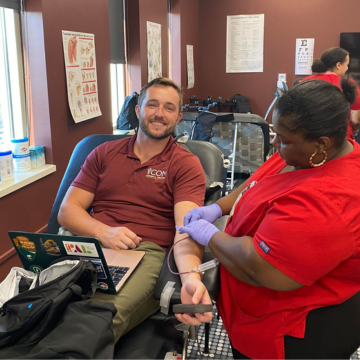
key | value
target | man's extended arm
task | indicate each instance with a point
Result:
(74, 217)
(188, 255)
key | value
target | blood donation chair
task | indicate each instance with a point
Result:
(159, 334)
(243, 139)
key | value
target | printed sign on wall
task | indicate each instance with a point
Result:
(304, 55)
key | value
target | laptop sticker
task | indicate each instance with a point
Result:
(80, 249)
(36, 269)
(50, 247)
(99, 267)
(26, 247)
(102, 286)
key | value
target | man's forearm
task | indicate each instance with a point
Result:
(79, 222)
(188, 256)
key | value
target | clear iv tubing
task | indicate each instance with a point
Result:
(168, 258)
(199, 270)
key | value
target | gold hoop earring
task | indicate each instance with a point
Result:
(319, 164)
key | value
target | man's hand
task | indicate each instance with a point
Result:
(200, 230)
(209, 213)
(194, 292)
(119, 238)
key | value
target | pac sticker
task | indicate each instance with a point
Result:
(99, 267)
(102, 286)
(26, 247)
(80, 249)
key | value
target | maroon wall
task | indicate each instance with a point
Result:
(285, 21)
(189, 36)
(137, 13)
(28, 209)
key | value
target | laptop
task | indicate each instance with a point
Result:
(113, 267)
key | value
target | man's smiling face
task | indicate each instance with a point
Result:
(159, 112)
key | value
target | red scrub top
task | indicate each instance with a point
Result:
(306, 224)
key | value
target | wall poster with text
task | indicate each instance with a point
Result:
(154, 50)
(81, 76)
(245, 43)
(190, 66)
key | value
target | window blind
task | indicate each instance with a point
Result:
(116, 28)
(10, 4)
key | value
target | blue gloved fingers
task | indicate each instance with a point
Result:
(191, 216)
(185, 230)
(209, 213)
(201, 231)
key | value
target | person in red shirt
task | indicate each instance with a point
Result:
(290, 253)
(138, 189)
(330, 67)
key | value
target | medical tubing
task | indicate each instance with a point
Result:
(168, 258)
(200, 269)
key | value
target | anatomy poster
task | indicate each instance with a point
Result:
(304, 56)
(154, 50)
(190, 66)
(81, 78)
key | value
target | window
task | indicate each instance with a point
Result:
(117, 90)
(13, 123)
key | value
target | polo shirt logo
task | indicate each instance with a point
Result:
(264, 246)
(156, 174)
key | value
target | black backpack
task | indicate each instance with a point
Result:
(31, 313)
(242, 104)
(127, 118)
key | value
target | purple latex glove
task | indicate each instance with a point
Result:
(209, 213)
(200, 230)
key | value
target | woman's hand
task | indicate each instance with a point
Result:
(209, 213)
(200, 230)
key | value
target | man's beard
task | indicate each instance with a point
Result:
(145, 129)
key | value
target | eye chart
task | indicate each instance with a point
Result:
(304, 54)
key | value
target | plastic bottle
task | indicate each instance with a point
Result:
(21, 154)
(6, 165)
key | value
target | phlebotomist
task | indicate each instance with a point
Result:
(291, 246)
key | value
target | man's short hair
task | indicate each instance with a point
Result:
(161, 81)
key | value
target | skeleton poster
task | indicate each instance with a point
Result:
(81, 77)
(154, 50)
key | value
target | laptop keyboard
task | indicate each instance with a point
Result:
(117, 273)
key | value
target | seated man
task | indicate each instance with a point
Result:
(139, 188)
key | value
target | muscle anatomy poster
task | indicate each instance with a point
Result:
(154, 50)
(81, 77)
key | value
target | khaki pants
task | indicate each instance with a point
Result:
(135, 302)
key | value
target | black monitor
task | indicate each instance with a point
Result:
(351, 43)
